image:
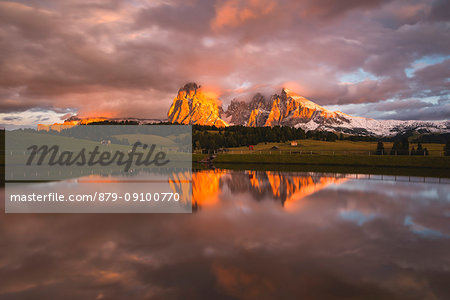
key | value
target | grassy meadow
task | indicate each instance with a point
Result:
(16, 155)
(338, 147)
(148, 139)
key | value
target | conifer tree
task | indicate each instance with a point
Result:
(380, 148)
(395, 147)
(447, 148)
(404, 147)
(419, 150)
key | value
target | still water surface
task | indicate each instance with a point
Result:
(252, 235)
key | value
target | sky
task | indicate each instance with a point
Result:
(374, 58)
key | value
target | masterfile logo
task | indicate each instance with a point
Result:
(94, 157)
(99, 168)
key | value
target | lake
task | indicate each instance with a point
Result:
(252, 235)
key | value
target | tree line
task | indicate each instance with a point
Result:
(212, 138)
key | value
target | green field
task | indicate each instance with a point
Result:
(16, 154)
(337, 148)
(18, 142)
(146, 139)
(21, 140)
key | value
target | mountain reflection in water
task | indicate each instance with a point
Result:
(283, 187)
(254, 235)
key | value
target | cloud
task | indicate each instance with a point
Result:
(440, 10)
(122, 58)
(234, 13)
(330, 8)
(12, 118)
(433, 80)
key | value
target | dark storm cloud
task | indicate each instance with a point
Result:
(433, 111)
(12, 118)
(126, 58)
(433, 80)
(331, 8)
(407, 109)
(441, 10)
(182, 16)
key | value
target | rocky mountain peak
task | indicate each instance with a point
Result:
(287, 92)
(258, 101)
(192, 106)
(190, 87)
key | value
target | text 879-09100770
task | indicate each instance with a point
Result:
(96, 197)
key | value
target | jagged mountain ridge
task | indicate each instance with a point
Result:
(191, 106)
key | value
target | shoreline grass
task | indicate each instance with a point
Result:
(392, 171)
(341, 160)
(382, 165)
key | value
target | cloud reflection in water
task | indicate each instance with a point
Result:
(254, 235)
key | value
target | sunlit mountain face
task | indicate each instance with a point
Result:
(192, 105)
(69, 123)
(75, 121)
